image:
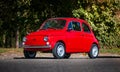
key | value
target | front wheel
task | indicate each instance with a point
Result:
(29, 54)
(59, 51)
(67, 55)
(94, 51)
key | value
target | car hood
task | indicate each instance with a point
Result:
(47, 32)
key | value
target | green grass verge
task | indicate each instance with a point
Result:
(3, 50)
(112, 50)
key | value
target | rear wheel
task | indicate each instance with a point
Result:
(93, 52)
(59, 51)
(29, 54)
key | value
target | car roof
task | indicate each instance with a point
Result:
(70, 18)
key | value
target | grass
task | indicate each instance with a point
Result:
(3, 50)
(111, 51)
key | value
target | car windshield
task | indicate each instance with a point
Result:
(54, 24)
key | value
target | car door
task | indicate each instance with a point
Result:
(74, 37)
(87, 37)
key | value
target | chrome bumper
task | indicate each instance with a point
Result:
(27, 46)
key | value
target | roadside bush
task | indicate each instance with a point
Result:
(101, 16)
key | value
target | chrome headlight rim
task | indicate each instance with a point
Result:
(24, 39)
(46, 38)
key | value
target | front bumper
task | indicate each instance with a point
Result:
(28, 46)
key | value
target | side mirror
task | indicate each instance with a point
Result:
(69, 29)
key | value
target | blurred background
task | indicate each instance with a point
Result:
(19, 17)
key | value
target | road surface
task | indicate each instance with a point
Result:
(48, 64)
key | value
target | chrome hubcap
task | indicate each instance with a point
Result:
(95, 51)
(60, 50)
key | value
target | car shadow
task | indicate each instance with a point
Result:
(45, 58)
(34, 58)
(108, 57)
(69, 58)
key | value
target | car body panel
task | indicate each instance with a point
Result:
(74, 41)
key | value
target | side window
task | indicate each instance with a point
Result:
(74, 26)
(85, 28)
(70, 25)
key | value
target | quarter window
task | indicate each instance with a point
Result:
(85, 28)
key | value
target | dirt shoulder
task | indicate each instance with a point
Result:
(18, 53)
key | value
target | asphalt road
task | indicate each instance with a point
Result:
(48, 64)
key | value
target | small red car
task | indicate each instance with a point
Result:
(62, 37)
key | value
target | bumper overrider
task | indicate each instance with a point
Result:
(28, 46)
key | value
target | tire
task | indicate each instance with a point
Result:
(67, 55)
(93, 52)
(29, 54)
(59, 51)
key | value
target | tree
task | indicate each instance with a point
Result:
(100, 14)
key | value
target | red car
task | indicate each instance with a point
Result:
(62, 37)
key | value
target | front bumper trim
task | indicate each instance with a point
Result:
(28, 46)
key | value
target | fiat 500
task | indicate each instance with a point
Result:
(62, 37)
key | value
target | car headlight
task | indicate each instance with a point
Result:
(46, 38)
(24, 39)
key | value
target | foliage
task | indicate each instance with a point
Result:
(18, 17)
(101, 17)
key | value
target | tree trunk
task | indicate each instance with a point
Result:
(4, 38)
(17, 39)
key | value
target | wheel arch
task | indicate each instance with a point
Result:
(96, 44)
(61, 42)
(91, 46)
